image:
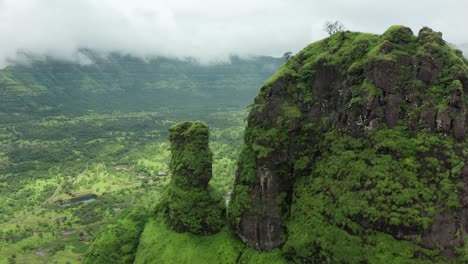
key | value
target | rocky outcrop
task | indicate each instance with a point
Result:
(359, 86)
(191, 158)
(189, 204)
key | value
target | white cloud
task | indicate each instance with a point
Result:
(206, 29)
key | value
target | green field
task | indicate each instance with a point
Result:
(48, 163)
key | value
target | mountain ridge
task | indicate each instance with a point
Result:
(121, 82)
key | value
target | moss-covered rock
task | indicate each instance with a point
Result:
(356, 152)
(191, 158)
(188, 202)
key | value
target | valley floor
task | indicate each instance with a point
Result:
(64, 178)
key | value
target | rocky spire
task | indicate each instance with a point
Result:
(189, 203)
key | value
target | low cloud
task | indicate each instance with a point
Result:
(209, 30)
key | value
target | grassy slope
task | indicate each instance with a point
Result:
(117, 242)
(158, 244)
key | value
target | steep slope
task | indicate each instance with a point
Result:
(356, 152)
(125, 83)
(117, 243)
(159, 244)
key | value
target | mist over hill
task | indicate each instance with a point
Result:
(119, 82)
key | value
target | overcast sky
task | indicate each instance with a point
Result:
(209, 30)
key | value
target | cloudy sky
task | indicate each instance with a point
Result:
(209, 30)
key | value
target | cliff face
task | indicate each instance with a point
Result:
(359, 139)
(189, 203)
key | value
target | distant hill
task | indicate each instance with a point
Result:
(125, 83)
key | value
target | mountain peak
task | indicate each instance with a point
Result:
(356, 101)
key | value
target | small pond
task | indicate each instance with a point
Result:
(86, 198)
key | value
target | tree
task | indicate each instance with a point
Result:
(287, 55)
(333, 27)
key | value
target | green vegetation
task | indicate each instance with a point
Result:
(118, 242)
(356, 189)
(158, 244)
(189, 203)
(199, 211)
(191, 158)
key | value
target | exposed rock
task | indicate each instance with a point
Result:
(442, 234)
(264, 226)
(428, 69)
(427, 36)
(443, 120)
(392, 111)
(428, 118)
(385, 75)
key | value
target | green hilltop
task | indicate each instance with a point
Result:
(355, 152)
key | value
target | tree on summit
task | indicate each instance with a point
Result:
(333, 27)
(287, 55)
